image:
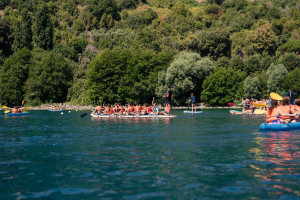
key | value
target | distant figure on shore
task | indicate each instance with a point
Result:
(291, 95)
(193, 101)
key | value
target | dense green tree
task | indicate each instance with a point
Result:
(237, 63)
(292, 81)
(222, 86)
(6, 36)
(4, 3)
(125, 75)
(43, 28)
(49, 78)
(23, 32)
(252, 64)
(214, 43)
(290, 46)
(13, 75)
(98, 8)
(275, 77)
(222, 62)
(251, 87)
(290, 61)
(185, 75)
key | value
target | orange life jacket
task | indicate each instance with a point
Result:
(149, 109)
(111, 110)
(99, 108)
(284, 110)
(139, 108)
(14, 110)
(271, 116)
(132, 109)
(248, 101)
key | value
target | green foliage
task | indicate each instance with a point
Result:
(222, 86)
(43, 28)
(13, 75)
(290, 61)
(290, 46)
(237, 63)
(214, 43)
(292, 81)
(6, 37)
(251, 87)
(78, 26)
(223, 62)
(236, 4)
(275, 76)
(49, 78)
(23, 32)
(125, 75)
(185, 75)
(98, 8)
(252, 64)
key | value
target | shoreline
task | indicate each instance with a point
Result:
(76, 107)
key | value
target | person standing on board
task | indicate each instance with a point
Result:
(193, 100)
(169, 100)
(291, 95)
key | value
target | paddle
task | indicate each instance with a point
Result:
(7, 111)
(275, 96)
(83, 115)
(259, 105)
(5, 107)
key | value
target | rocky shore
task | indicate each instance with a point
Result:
(77, 107)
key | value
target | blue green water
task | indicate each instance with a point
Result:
(214, 155)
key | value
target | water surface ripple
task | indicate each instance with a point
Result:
(214, 155)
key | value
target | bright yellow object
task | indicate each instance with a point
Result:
(259, 105)
(5, 107)
(22, 102)
(258, 112)
(7, 111)
(26, 108)
(275, 96)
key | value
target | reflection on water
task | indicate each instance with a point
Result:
(277, 161)
(212, 155)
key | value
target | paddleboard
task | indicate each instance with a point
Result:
(187, 111)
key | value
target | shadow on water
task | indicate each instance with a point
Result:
(212, 155)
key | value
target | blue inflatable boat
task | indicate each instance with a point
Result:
(280, 127)
(18, 114)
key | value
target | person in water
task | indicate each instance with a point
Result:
(193, 101)
(168, 100)
(284, 111)
(296, 110)
(291, 95)
(272, 113)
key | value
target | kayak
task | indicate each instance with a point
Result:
(55, 110)
(230, 104)
(187, 111)
(256, 112)
(280, 127)
(18, 114)
(131, 116)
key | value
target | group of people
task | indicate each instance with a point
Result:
(55, 108)
(17, 109)
(137, 109)
(285, 112)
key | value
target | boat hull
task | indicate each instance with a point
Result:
(132, 116)
(18, 114)
(280, 127)
(55, 110)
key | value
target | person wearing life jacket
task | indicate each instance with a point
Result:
(284, 111)
(296, 110)
(149, 109)
(99, 109)
(155, 109)
(19, 109)
(272, 117)
(15, 110)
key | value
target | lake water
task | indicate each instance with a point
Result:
(213, 155)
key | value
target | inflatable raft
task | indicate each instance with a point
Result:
(280, 127)
(188, 111)
(131, 116)
(18, 114)
(55, 110)
(256, 112)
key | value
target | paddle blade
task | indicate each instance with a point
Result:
(7, 111)
(22, 102)
(26, 108)
(5, 107)
(275, 96)
(83, 115)
(259, 105)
